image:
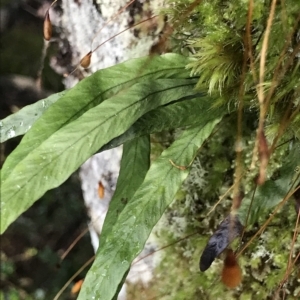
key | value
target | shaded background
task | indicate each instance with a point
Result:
(31, 248)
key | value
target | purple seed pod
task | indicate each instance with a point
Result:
(227, 231)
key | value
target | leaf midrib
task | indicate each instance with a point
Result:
(76, 141)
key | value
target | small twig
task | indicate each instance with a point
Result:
(264, 54)
(219, 201)
(42, 65)
(248, 213)
(279, 205)
(182, 168)
(287, 118)
(239, 146)
(72, 278)
(290, 264)
(73, 244)
(260, 86)
(127, 28)
(164, 247)
(249, 40)
(276, 78)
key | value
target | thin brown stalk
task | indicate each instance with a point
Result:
(220, 200)
(276, 77)
(287, 119)
(263, 227)
(293, 242)
(132, 26)
(164, 247)
(289, 273)
(260, 86)
(39, 81)
(111, 19)
(248, 213)
(249, 39)
(239, 146)
(63, 256)
(263, 55)
(73, 277)
(53, 3)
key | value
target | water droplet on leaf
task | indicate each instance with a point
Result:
(10, 133)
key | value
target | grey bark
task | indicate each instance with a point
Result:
(77, 27)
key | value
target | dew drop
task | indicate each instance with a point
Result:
(10, 133)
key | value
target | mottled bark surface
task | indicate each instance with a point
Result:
(84, 25)
(77, 25)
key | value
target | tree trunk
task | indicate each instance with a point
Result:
(77, 26)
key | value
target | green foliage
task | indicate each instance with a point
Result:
(89, 93)
(76, 126)
(125, 103)
(275, 189)
(263, 264)
(128, 236)
(224, 59)
(218, 37)
(20, 122)
(134, 166)
(62, 153)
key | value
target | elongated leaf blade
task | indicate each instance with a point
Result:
(134, 166)
(20, 122)
(135, 222)
(50, 164)
(174, 115)
(90, 92)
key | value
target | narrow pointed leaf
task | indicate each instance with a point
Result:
(128, 236)
(20, 122)
(90, 92)
(174, 115)
(134, 166)
(50, 164)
